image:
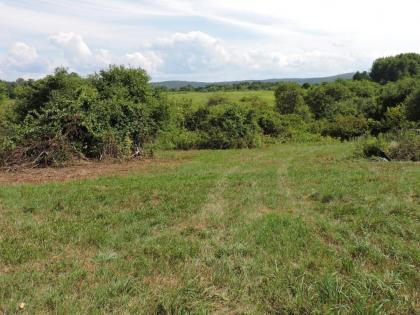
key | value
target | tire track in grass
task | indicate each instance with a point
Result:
(216, 205)
(209, 221)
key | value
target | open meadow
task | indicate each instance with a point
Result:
(233, 97)
(283, 229)
(210, 157)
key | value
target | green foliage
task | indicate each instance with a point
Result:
(320, 98)
(364, 89)
(289, 98)
(392, 69)
(3, 92)
(400, 146)
(360, 76)
(395, 119)
(347, 127)
(405, 146)
(117, 113)
(291, 128)
(271, 123)
(111, 114)
(413, 105)
(179, 139)
(368, 107)
(256, 102)
(223, 128)
(32, 98)
(217, 99)
(346, 107)
(395, 93)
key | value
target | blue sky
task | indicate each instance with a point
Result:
(212, 40)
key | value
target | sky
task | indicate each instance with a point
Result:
(211, 40)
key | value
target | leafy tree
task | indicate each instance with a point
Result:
(413, 106)
(235, 127)
(270, 123)
(394, 119)
(361, 76)
(321, 98)
(392, 69)
(365, 89)
(225, 127)
(33, 96)
(395, 93)
(129, 104)
(368, 106)
(289, 98)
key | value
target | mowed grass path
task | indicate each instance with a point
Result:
(289, 229)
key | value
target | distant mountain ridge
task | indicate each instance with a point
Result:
(195, 84)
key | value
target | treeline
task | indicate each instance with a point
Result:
(226, 87)
(117, 113)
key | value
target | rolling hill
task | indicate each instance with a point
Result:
(194, 84)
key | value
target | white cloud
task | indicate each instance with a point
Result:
(77, 53)
(196, 55)
(20, 53)
(104, 57)
(72, 45)
(23, 60)
(209, 39)
(191, 55)
(191, 52)
(149, 61)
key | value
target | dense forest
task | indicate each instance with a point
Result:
(117, 113)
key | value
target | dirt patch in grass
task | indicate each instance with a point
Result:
(83, 170)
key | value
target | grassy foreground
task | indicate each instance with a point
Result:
(281, 230)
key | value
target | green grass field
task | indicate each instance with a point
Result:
(235, 97)
(287, 229)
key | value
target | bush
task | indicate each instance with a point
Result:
(322, 97)
(179, 139)
(395, 119)
(413, 106)
(371, 147)
(346, 127)
(289, 98)
(225, 127)
(111, 114)
(399, 146)
(396, 93)
(235, 127)
(405, 146)
(217, 100)
(295, 129)
(271, 123)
